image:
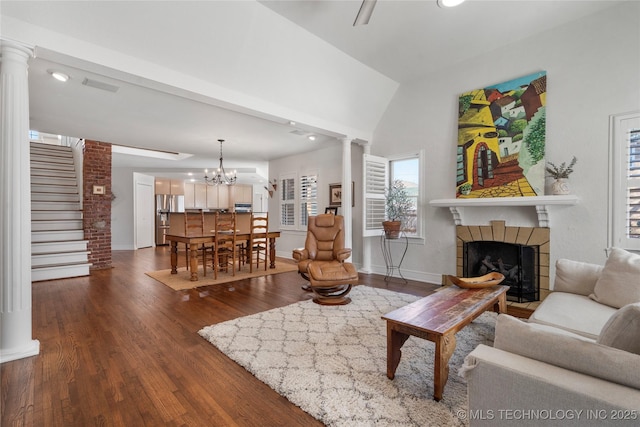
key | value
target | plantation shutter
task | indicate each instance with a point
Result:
(625, 183)
(287, 202)
(375, 179)
(308, 198)
(633, 185)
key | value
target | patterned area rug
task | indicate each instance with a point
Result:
(332, 361)
(182, 280)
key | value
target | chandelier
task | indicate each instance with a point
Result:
(219, 175)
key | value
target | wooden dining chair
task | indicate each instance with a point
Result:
(225, 251)
(258, 241)
(194, 226)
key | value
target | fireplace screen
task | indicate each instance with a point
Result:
(518, 263)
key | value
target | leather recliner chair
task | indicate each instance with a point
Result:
(322, 260)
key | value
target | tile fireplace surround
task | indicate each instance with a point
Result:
(499, 232)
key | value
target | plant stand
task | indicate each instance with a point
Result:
(387, 252)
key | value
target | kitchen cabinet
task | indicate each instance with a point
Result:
(242, 194)
(201, 195)
(177, 187)
(163, 186)
(173, 187)
(223, 197)
(218, 197)
(189, 195)
(195, 195)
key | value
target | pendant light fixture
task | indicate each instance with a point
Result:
(220, 176)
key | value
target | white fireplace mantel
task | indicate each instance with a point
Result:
(540, 203)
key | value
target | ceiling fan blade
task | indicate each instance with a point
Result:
(364, 14)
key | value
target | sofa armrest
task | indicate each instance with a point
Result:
(566, 351)
(507, 389)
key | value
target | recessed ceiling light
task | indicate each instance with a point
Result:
(449, 3)
(292, 123)
(58, 75)
(312, 137)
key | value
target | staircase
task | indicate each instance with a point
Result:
(58, 248)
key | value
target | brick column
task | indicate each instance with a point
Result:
(96, 171)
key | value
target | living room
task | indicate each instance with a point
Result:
(592, 65)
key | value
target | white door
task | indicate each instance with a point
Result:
(144, 213)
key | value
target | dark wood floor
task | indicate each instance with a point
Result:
(118, 348)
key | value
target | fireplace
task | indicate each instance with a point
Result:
(518, 263)
(520, 253)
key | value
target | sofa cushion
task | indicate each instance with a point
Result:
(587, 357)
(575, 313)
(623, 329)
(619, 283)
(576, 277)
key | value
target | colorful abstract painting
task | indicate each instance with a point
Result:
(501, 139)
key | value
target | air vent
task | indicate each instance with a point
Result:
(100, 85)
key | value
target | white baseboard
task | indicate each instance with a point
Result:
(126, 247)
(31, 349)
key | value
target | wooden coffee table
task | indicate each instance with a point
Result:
(437, 318)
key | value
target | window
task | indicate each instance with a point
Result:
(407, 170)
(298, 200)
(308, 198)
(625, 181)
(287, 202)
(378, 173)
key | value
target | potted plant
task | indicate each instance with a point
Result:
(398, 205)
(560, 174)
(465, 189)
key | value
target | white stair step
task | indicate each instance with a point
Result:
(50, 166)
(54, 180)
(62, 153)
(54, 225)
(51, 147)
(55, 206)
(52, 173)
(60, 258)
(54, 197)
(59, 272)
(47, 188)
(55, 215)
(58, 246)
(53, 236)
(50, 159)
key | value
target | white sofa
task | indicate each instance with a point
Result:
(576, 361)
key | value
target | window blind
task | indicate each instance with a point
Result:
(308, 198)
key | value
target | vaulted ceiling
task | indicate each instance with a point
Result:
(189, 73)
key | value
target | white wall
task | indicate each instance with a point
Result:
(328, 163)
(593, 69)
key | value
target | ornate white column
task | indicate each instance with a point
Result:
(15, 206)
(346, 192)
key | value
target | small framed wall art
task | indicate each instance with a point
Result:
(335, 194)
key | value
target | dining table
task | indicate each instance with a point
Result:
(195, 240)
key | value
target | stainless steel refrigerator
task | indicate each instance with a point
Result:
(165, 204)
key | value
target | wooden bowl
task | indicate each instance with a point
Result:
(485, 281)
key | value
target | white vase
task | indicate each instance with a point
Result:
(560, 187)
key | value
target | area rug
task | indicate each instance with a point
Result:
(181, 281)
(331, 361)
